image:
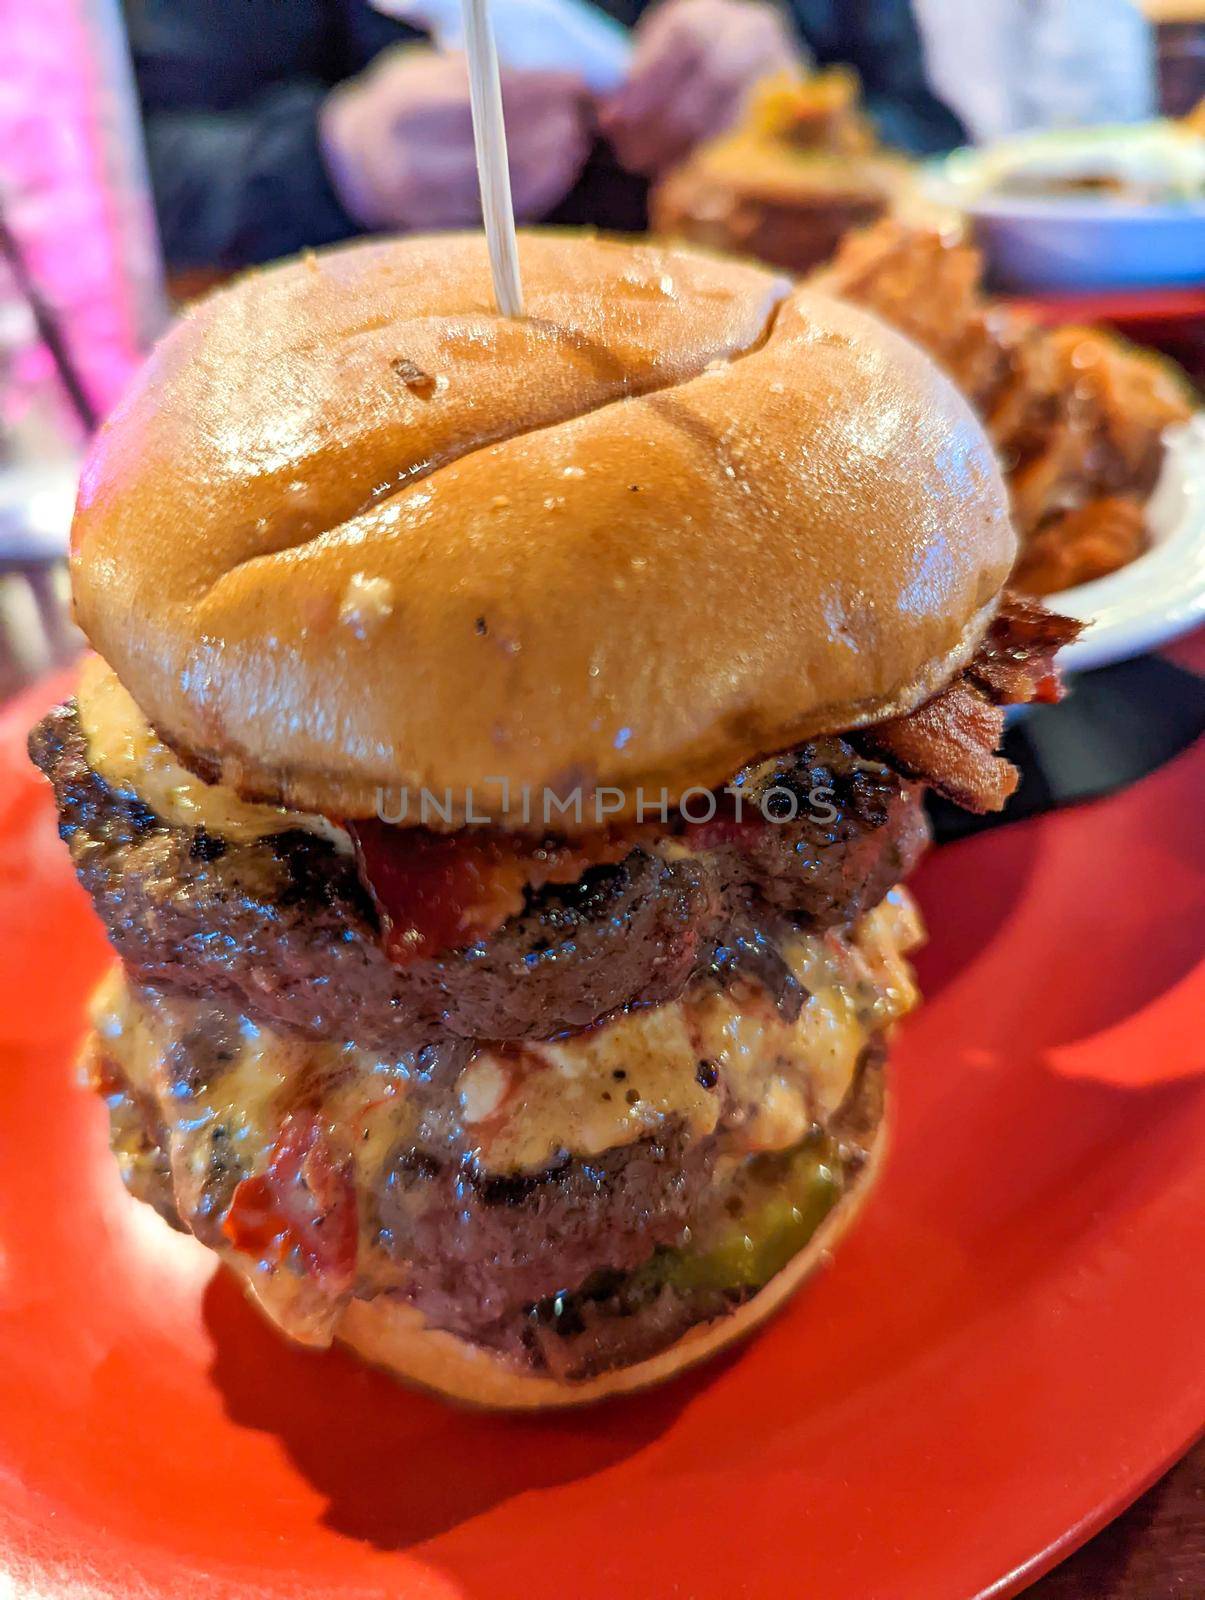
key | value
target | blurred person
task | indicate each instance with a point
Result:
(273, 126)
(695, 60)
(398, 141)
(1040, 63)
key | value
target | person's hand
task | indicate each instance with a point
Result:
(693, 65)
(398, 141)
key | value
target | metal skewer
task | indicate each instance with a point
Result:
(489, 136)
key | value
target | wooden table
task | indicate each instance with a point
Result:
(1154, 1551)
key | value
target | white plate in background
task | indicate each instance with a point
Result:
(1072, 242)
(1071, 246)
(1162, 594)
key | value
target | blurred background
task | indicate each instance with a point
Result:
(1050, 152)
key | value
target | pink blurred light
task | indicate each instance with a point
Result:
(73, 186)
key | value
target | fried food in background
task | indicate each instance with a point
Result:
(802, 170)
(1077, 414)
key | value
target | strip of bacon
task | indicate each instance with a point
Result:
(951, 741)
(438, 892)
(1015, 660)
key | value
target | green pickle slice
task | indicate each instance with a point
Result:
(784, 1199)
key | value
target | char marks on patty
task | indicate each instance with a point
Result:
(480, 1252)
(284, 928)
(554, 1269)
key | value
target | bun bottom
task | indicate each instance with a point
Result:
(395, 1337)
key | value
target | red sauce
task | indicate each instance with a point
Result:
(304, 1201)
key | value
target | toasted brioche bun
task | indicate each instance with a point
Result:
(352, 530)
(395, 1337)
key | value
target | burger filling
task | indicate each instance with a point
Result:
(279, 914)
(565, 1097)
(571, 1204)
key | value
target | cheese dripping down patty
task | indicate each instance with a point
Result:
(125, 751)
(713, 1056)
(709, 1059)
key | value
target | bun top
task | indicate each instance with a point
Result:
(352, 529)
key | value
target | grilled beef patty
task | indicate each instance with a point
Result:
(591, 1264)
(284, 928)
(598, 1263)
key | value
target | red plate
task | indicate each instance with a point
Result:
(1009, 1348)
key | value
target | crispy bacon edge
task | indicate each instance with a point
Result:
(951, 742)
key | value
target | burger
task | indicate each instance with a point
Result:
(503, 749)
(802, 170)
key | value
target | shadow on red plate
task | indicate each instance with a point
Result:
(393, 1463)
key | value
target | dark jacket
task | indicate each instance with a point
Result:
(230, 92)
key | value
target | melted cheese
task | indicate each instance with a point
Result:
(710, 1058)
(124, 750)
(774, 1079)
(233, 1114)
(150, 1037)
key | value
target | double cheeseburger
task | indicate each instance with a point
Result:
(503, 749)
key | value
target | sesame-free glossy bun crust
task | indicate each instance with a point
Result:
(351, 529)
